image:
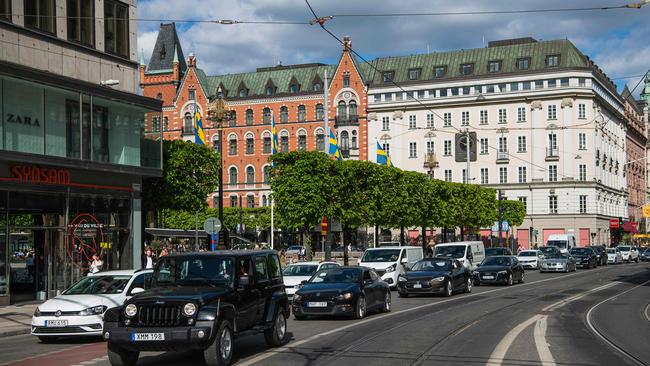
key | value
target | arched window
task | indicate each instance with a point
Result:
(317, 87)
(250, 201)
(302, 140)
(284, 141)
(341, 112)
(352, 110)
(215, 142)
(302, 113)
(232, 175)
(233, 118)
(233, 201)
(165, 123)
(345, 141)
(267, 173)
(354, 139)
(320, 140)
(293, 88)
(250, 175)
(249, 117)
(250, 144)
(266, 115)
(232, 145)
(284, 114)
(320, 112)
(266, 140)
(188, 124)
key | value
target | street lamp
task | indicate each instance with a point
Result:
(218, 113)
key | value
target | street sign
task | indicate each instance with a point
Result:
(614, 224)
(211, 225)
(505, 226)
(323, 226)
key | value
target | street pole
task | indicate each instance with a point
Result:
(272, 223)
(500, 219)
(223, 228)
(196, 231)
(467, 176)
(328, 235)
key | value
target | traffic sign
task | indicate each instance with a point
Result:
(211, 225)
(505, 226)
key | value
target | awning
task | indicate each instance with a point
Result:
(630, 227)
(174, 233)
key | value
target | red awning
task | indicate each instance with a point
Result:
(630, 227)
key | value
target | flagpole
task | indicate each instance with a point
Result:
(327, 120)
(272, 221)
(271, 196)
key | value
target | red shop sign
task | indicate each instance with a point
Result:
(39, 175)
(613, 223)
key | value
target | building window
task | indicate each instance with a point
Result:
(116, 28)
(503, 116)
(320, 140)
(484, 146)
(430, 120)
(552, 112)
(412, 122)
(522, 174)
(320, 112)
(440, 71)
(270, 90)
(264, 202)
(413, 150)
(582, 82)
(414, 74)
(81, 22)
(250, 175)
(552, 204)
(41, 15)
(155, 124)
(266, 115)
(583, 204)
(188, 124)
(302, 113)
(524, 201)
(354, 139)
(284, 114)
(266, 145)
(293, 88)
(521, 144)
(582, 141)
(551, 83)
(250, 144)
(385, 123)
(483, 117)
(267, 173)
(464, 118)
(352, 110)
(243, 93)
(5, 9)
(552, 173)
(346, 81)
(466, 69)
(503, 144)
(494, 66)
(430, 147)
(503, 175)
(552, 144)
(302, 140)
(284, 141)
(249, 117)
(446, 119)
(234, 201)
(447, 175)
(447, 148)
(521, 114)
(582, 172)
(232, 145)
(342, 111)
(484, 176)
(317, 87)
(582, 111)
(232, 121)
(523, 63)
(553, 60)
(386, 147)
(165, 123)
(387, 76)
(232, 176)
(250, 201)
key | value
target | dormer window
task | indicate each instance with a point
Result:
(293, 88)
(467, 69)
(523, 63)
(346, 81)
(388, 76)
(192, 94)
(243, 93)
(270, 90)
(552, 60)
(440, 71)
(317, 87)
(494, 66)
(414, 74)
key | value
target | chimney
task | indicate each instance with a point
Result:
(347, 44)
(191, 60)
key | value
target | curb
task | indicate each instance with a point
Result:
(15, 332)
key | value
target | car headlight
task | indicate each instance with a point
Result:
(95, 310)
(37, 312)
(296, 297)
(390, 269)
(503, 272)
(401, 279)
(130, 310)
(345, 296)
(437, 279)
(189, 309)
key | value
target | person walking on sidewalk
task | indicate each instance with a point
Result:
(148, 258)
(96, 264)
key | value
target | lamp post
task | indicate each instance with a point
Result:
(218, 113)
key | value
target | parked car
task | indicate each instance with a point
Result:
(629, 253)
(294, 249)
(564, 242)
(469, 253)
(614, 256)
(489, 252)
(548, 251)
(530, 258)
(435, 276)
(201, 301)
(390, 262)
(79, 310)
(348, 291)
(558, 263)
(504, 269)
(584, 257)
(601, 252)
(294, 274)
(645, 254)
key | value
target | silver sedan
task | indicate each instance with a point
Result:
(558, 263)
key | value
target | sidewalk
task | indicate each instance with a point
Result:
(16, 319)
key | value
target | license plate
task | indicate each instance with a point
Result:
(488, 277)
(136, 337)
(317, 304)
(417, 285)
(56, 323)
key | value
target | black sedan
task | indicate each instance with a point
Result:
(645, 254)
(499, 269)
(585, 257)
(601, 252)
(349, 291)
(434, 276)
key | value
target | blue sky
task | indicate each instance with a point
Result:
(617, 40)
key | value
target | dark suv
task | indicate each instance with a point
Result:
(200, 301)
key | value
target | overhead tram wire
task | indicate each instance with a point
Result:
(158, 20)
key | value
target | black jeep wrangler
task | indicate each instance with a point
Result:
(200, 301)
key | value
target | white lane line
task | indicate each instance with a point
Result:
(596, 332)
(542, 346)
(499, 353)
(579, 296)
(647, 312)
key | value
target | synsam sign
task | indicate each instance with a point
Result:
(38, 175)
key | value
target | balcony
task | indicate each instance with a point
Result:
(503, 157)
(552, 154)
(346, 120)
(431, 161)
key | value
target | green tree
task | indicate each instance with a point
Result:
(513, 211)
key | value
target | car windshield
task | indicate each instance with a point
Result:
(95, 285)
(337, 275)
(381, 255)
(647, 251)
(557, 256)
(624, 248)
(432, 265)
(579, 251)
(496, 261)
(192, 271)
(528, 254)
(453, 251)
(548, 250)
(300, 270)
(612, 250)
(557, 243)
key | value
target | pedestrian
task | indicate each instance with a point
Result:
(349, 247)
(520, 249)
(303, 253)
(148, 258)
(163, 253)
(283, 258)
(96, 264)
(29, 262)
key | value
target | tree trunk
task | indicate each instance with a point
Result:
(345, 246)
(424, 240)
(376, 236)
(401, 235)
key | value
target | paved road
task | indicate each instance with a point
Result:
(542, 322)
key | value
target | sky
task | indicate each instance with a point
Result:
(617, 40)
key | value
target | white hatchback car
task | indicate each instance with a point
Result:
(79, 310)
(295, 273)
(614, 256)
(530, 259)
(629, 253)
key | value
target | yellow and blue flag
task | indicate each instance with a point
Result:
(335, 151)
(382, 156)
(199, 135)
(274, 136)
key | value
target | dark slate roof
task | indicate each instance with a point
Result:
(163, 57)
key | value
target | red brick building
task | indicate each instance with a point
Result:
(294, 94)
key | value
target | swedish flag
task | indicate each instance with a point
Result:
(199, 135)
(335, 151)
(382, 156)
(274, 136)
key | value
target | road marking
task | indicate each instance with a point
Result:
(647, 312)
(543, 350)
(601, 336)
(579, 296)
(499, 353)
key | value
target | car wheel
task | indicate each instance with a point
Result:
(118, 356)
(47, 339)
(449, 289)
(468, 285)
(360, 311)
(276, 336)
(219, 353)
(523, 277)
(387, 303)
(509, 280)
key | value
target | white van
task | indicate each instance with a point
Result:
(564, 242)
(388, 261)
(469, 253)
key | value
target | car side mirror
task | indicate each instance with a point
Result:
(136, 290)
(478, 264)
(367, 282)
(244, 281)
(405, 260)
(303, 282)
